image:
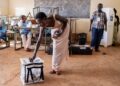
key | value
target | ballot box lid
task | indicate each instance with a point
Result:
(26, 61)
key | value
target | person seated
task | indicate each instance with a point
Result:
(2, 31)
(25, 31)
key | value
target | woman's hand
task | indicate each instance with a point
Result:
(57, 33)
(32, 59)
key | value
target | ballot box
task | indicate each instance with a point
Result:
(31, 72)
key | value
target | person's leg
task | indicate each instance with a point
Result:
(28, 43)
(118, 36)
(53, 59)
(60, 50)
(0, 37)
(56, 62)
(115, 35)
(94, 34)
(23, 36)
(3, 35)
(99, 37)
(57, 58)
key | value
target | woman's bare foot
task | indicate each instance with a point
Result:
(58, 72)
(53, 72)
(28, 49)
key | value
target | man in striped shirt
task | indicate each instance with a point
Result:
(97, 26)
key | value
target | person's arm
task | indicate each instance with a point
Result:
(118, 23)
(105, 22)
(29, 25)
(62, 20)
(37, 44)
(118, 20)
(20, 24)
(91, 21)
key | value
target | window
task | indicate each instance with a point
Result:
(19, 11)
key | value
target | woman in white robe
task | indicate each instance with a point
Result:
(60, 48)
(60, 36)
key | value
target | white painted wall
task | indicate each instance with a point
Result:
(27, 5)
(4, 5)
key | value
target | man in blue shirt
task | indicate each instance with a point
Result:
(2, 30)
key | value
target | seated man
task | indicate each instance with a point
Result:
(25, 32)
(2, 31)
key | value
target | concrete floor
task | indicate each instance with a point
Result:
(95, 70)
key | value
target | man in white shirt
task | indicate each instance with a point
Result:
(25, 32)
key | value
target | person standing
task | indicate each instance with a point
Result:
(25, 32)
(97, 26)
(116, 28)
(60, 36)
